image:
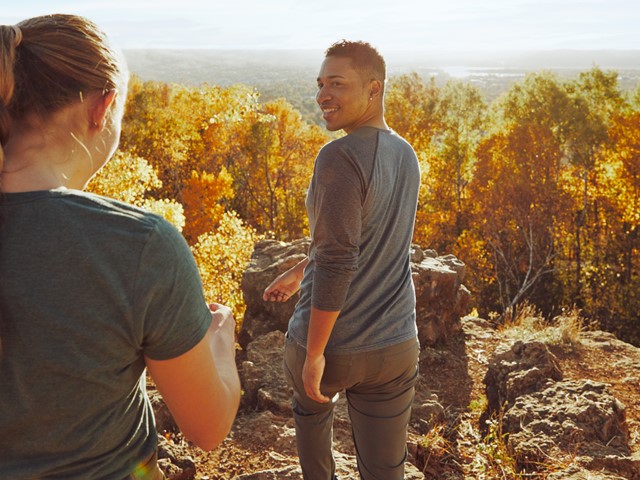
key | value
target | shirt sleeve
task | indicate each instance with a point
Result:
(338, 193)
(169, 299)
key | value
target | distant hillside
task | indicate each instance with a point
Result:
(222, 67)
(291, 73)
(226, 67)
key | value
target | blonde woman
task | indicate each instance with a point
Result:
(92, 291)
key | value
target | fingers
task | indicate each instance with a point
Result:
(222, 316)
(314, 393)
(312, 373)
(282, 288)
(275, 296)
(218, 307)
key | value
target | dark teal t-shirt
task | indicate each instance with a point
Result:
(88, 285)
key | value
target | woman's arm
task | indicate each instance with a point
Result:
(201, 387)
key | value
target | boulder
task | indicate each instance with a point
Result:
(174, 460)
(262, 376)
(549, 421)
(523, 369)
(579, 418)
(270, 258)
(441, 298)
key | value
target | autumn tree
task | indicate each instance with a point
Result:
(596, 98)
(182, 129)
(459, 119)
(273, 170)
(410, 104)
(516, 193)
(205, 196)
(615, 294)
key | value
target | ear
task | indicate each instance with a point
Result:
(100, 108)
(375, 87)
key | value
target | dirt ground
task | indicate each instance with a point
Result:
(458, 383)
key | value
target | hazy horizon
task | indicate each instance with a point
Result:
(293, 72)
(402, 25)
(305, 58)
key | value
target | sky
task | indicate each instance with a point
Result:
(391, 25)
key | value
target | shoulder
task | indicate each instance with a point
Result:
(356, 140)
(395, 139)
(110, 209)
(118, 221)
(354, 147)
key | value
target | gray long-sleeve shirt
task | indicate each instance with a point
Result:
(361, 205)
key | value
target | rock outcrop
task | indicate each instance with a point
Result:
(441, 297)
(270, 258)
(263, 380)
(523, 369)
(547, 419)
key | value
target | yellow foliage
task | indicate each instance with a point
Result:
(222, 256)
(125, 177)
(171, 210)
(274, 168)
(128, 178)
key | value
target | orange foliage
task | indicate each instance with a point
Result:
(539, 195)
(204, 197)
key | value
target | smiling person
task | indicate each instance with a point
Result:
(92, 290)
(354, 328)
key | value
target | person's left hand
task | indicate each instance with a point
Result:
(311, 377)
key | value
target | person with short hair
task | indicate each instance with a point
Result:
(92, 291)
(354, 327)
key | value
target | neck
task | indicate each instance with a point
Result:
(32, 163)
(44, 157)
(376, 120)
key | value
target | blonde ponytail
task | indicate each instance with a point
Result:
(10, 39)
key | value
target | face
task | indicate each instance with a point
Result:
(343, 95)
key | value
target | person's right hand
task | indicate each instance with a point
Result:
(201, 387)
(283, 287)
(223, 328)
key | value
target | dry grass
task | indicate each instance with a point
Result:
(526, 322)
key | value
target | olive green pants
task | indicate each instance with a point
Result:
(379, 387)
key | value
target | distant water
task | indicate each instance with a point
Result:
(460, 71)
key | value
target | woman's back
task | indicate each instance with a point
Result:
(88, 286)
(91, 290)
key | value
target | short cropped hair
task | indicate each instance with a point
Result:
(364, 58)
